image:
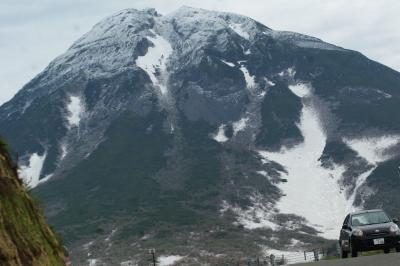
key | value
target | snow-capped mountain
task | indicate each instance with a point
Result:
(198, 129)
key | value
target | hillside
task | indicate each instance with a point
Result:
(25, 237)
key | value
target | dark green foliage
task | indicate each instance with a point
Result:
(385, 179)
(25, 237)
(4, 145)
(123, 166)
(338, 151)
(202, 152)
(280, 112)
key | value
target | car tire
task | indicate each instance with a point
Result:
(386, 251)
(343, 254)
(398, 249)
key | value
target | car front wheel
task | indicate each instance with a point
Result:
(398, 249)
(343, 254)
(386, 250)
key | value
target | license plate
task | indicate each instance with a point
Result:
(379, 241)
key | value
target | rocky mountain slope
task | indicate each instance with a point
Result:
(25, 237)
(202, 133)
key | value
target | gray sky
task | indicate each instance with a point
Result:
(33, 32)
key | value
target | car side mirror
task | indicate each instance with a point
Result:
(345, 227)
(395, 220)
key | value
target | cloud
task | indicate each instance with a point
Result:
(34, 33)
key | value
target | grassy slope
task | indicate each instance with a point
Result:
(25, 238)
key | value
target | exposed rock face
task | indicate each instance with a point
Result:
(199, 129)
(25, 237)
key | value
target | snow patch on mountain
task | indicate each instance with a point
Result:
(373, 149)
(64, 151)
(259, 215)
(250, 80)
(240, 125)
(384, 94)
(154, 61)
(45, 179)
(108, 238)
(301, 90)
(359, 183)
(263, 173)
(238, 28)
(228, 63)
(247, 52)
(324, 205)
(169, 260)
(30, 173)
(269, 82)
(92, 262)
(220, 135)
(75, 110)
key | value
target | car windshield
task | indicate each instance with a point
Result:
(369, 218)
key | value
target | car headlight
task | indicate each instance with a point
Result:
(394, 229)
(358, 232)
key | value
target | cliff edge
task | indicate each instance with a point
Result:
(25, 237)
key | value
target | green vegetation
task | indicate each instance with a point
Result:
(280, 114)
(25, 238)
(4, 145)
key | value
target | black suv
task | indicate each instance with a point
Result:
(368, 230)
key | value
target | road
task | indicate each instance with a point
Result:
(392, 259)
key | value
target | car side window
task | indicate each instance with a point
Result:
(346, 220)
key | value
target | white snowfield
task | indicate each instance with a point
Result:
(240, 125)
(64, 150)
(238, 28)
(250, 80)
(30, 173)
(301, 89)
(228, 63)
(373, 149)
(259, 215)
(92, 262)
(220, 135)
(323, 202)
(154, 61)
(169, 260)
(75, 110)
